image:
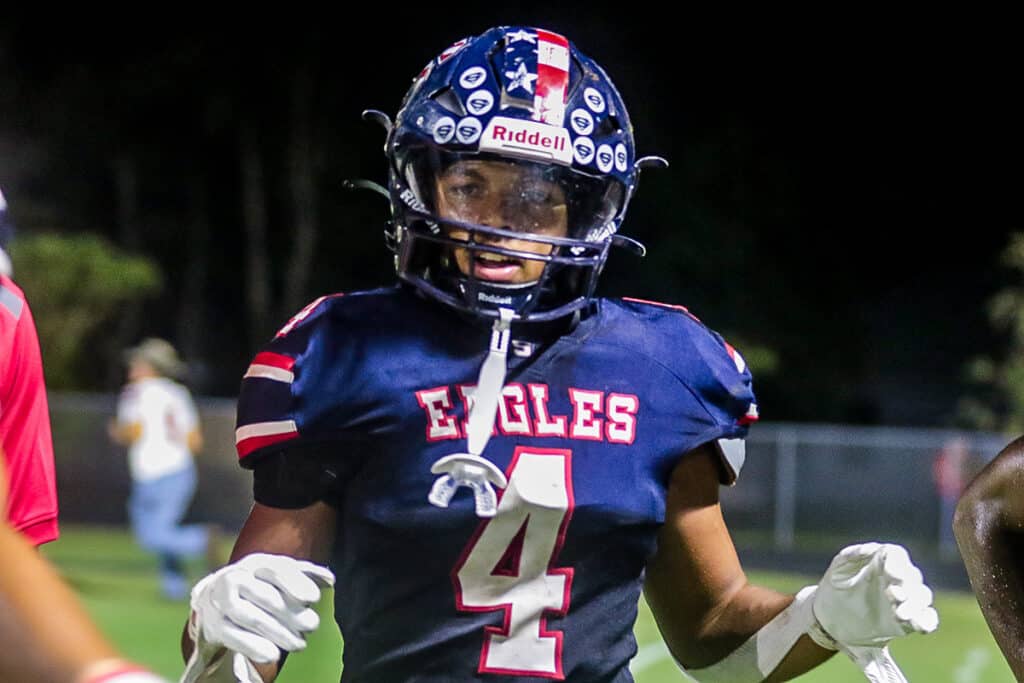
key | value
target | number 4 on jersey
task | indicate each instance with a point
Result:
(508, 565)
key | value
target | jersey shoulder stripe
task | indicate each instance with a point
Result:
(273, 366)
(260, 434)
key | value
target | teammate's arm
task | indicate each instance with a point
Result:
(47, 635)
(304, 534)
(703, 604)
(989, 528)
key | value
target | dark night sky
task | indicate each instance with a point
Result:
(882, 153)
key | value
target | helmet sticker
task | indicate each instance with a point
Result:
(468, 130)
(582, 122)
(621, 157)
(552, 77)
(480, 102)
(472, 77)
(451, 50)
(583, 150)
(529, 139)
(521, 34)
(605, 158)
(423, 74)
(444, 130)
(594, 99)
(522, 79)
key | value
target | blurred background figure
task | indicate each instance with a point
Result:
(25, 436)
(951, 472)
(158, 422)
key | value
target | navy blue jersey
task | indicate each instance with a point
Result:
(360, 394)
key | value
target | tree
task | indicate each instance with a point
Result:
(999, 403)
(76, 285)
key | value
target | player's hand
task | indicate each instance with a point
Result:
(872, 593)
(254, 608)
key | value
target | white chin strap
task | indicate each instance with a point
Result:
(470, 469)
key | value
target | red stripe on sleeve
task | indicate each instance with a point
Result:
(275, 360)
(247, 446)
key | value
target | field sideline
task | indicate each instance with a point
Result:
(117, 583)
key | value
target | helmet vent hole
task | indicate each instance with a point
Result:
(450, 101)
(607, 125)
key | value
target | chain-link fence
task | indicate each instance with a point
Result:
(804, 487)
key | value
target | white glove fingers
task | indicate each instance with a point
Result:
(859, 551)
(916, 612)
(919, 594)
(318, 573)
(244, 671)
(249, 645)
(899, 568)
(249, 617)
(851, 562)
(293, 614)
(290, 581)
(262, 594)
(301, 617)
(284, 564)
(926, 621)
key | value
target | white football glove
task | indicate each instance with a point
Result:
(253, 608)
(870, 594)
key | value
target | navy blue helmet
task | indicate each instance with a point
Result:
(522, 108)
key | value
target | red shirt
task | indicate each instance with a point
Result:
(25, 421)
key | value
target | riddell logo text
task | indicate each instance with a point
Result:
(525, 137)
(523, 411)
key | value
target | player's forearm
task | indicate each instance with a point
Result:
(804, 656)
(990, 553)
(45, 611)
(748, 612)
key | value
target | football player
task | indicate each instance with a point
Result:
(493, 462)
(987, 524)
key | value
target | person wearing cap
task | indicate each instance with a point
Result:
(157, 421)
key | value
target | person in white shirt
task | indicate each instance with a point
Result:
(158, 422)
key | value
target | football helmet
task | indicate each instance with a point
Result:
(511, 165)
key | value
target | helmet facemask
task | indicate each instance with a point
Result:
(482, 231)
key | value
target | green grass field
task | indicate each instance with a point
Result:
(117, 583)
